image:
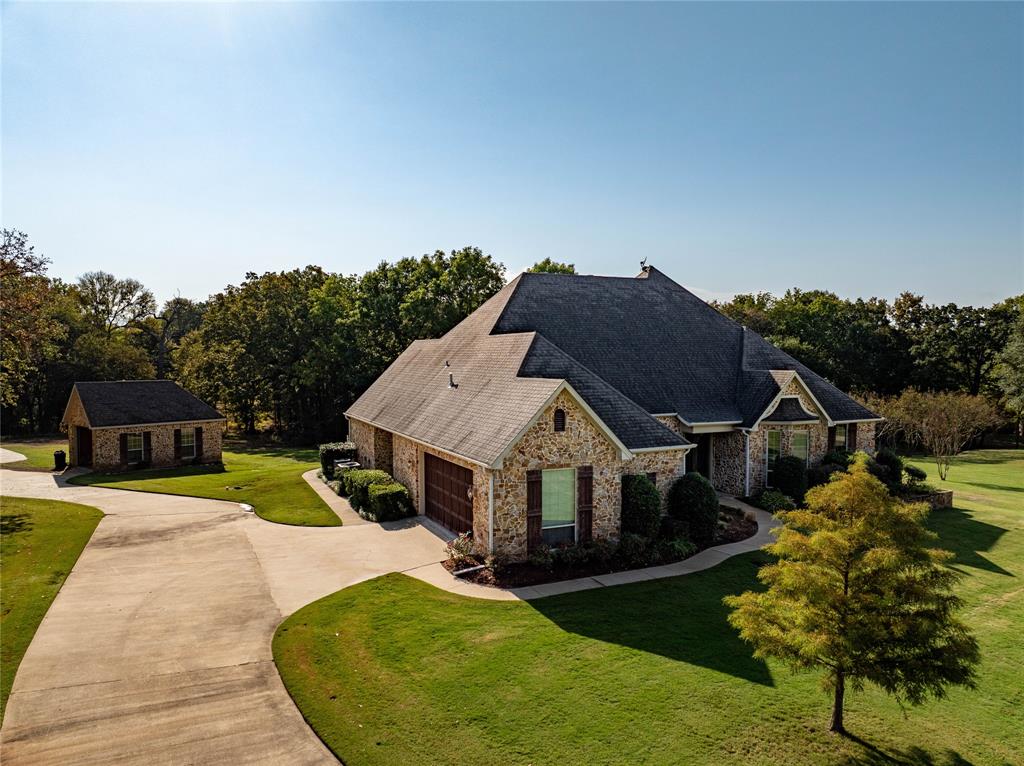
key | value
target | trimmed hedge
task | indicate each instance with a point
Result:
(357, 485)
(387, 502)
(332, 451)
(822, 474)
(641, 506)
(692, 499)
(839, 457)
(791, 477)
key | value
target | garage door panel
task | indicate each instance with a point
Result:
(448, 493)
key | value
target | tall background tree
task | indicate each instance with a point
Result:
(548, 266)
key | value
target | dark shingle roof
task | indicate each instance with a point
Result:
(134, 402)
(630, 347)
(662, 346)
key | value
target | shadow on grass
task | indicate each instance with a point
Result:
(300, 454)
(681, 618)
(960, 532)
(912, 756)
(13, 523)
(87, 479)
(996, 487)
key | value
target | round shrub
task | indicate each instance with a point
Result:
(635, 551)
(773, 501)
(335, 451)
(890, 469)
(915, 473)
(693, 500)
(673, 529)
(357, 485)
(641, 506)
(388, 502)
(839, 457)
(791, 477)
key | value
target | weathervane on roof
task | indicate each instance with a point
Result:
(643, 264)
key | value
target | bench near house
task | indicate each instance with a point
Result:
(124, 424)
(519, 424)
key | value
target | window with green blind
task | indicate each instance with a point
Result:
(772, 453)
(558, 505)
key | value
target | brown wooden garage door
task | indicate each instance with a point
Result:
(449, 498)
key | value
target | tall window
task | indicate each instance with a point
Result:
(188, 442)
(135, 448)
(840, 442)
(558, 506)
(799, 445)
(772, 453)
(559, 419)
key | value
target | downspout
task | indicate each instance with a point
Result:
(490, 514)
(746, 463)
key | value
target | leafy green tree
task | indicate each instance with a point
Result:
(162, 332)
(860, 593)
(549, 266)
(1010, 373)
(30, 329)
(114, 303)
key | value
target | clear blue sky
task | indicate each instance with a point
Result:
(862, 148)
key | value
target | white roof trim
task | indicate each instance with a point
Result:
(637, 450)
(601, 425)
(858, 420)
(779, 396)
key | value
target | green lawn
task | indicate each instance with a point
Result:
(40, 541)
(39, 453)
(269, 479)
(394, 671)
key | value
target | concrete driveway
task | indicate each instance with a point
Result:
(157, 650)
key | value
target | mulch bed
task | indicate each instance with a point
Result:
(521, 574)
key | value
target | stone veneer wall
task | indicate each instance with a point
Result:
(728, 470)
(866, 438)
(106, 444)
(361, 434)
(382, 449)
(74, 417)
(582, 443)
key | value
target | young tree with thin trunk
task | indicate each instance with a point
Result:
(859, 593)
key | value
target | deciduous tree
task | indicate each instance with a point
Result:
(860, 593)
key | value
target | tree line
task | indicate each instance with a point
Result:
(288, 351)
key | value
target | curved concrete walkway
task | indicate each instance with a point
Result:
(10, 456)
(157, 650)
(158, 647)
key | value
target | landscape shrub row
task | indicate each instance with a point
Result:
(373, 494)
(335, 451)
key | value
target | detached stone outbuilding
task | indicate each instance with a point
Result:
(125, 424)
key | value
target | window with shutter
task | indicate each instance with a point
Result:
(134, 442)
(558, 506)
(188, 443)
(559, 420)
(841, 432)
(799, 445)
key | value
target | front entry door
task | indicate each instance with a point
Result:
(84, 446)
(699, 458)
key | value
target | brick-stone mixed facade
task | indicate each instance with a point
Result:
(158, 437)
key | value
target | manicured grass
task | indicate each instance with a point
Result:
(269, 479)
(394, 671)
(40, 541)
(39, 453)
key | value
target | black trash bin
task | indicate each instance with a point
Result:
(60, 460)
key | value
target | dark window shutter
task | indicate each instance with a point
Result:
(147, 445)
(851, 437)
(533, 510)
(177, 444)
(124, 448)
(559, 420)
(831, 438)
(585, 503)
(653, 478)
(199, 441)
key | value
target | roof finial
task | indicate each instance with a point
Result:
(643, 264)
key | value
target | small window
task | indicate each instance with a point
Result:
(799, 445)
(559, 420)
(840, 442)
(188, 442)
(772, 453)
(558, 506)
(135, 448)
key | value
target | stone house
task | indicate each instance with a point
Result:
(126, 424)
(520, 422)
